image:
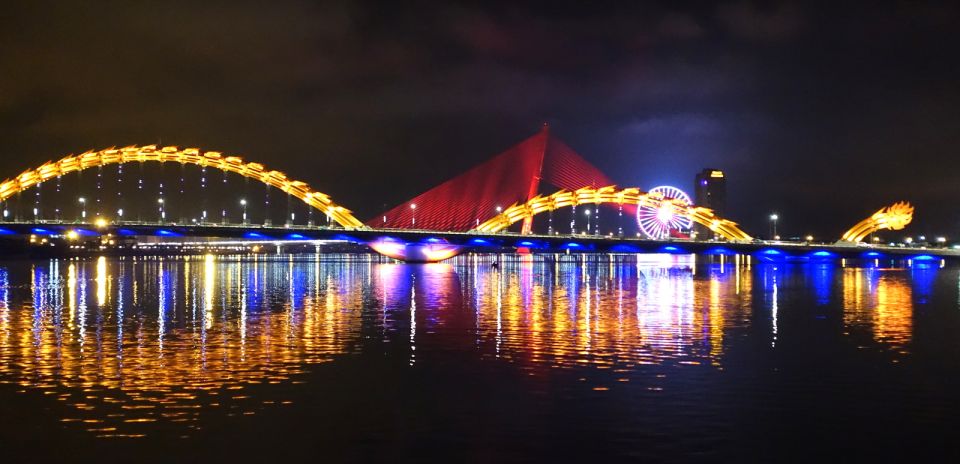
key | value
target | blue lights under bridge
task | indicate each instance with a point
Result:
(425, 246)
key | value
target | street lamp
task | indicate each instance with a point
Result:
(83, 208)
(413, 214)
(243, 203)
(587, 212)
(163, 215)
(773, 221)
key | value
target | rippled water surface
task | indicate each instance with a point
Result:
(340, 358)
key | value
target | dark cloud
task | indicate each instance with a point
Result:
(682, 125)
(773, 22)
(680, 26)
(823, 112)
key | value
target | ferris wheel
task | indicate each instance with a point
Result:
(657, 222)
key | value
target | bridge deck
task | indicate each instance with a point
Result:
(472, 241)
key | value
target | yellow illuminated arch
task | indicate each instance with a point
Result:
(893, 217)
(193, 156)
(610, 194)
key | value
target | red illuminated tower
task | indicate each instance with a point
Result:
(513, 176)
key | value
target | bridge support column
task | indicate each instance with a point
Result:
(527, 228)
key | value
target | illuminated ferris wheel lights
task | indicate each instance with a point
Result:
(659, 221)
(664, 213)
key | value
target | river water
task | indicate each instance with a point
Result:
(337, 358)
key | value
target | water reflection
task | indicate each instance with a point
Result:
(213, 331)
(879, 301)
(126, 343)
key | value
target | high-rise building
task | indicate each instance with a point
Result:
(711, 192)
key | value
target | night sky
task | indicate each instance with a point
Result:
(820, 113)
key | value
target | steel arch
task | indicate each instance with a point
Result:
(610, 194)
(213, 159)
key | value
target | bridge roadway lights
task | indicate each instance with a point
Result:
(432, 246)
